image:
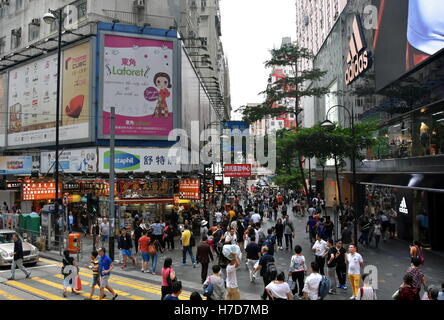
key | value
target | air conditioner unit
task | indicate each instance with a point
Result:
(139, 3)
(35, 21)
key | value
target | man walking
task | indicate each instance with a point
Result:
(233, 292)
(125, 244)
(312, 282)
(341, 266)
(18, 258)
(253, 250)
(186, 246)
(288, 233)
(104, 232)
(321, 250)
(203, 256)
(355, 263)
(70, 222)
(105, 267)
(331, 265)
(267, 268)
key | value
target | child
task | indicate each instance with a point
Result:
(94, 267)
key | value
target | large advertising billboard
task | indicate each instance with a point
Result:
(139, 160)
(15, 165)
(3, 108)
(138, 79)
(70, 161)
(32, 99)
(409, 32)
(234, 129)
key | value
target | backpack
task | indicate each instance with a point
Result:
(324, 287)
(271, 270)
(420, 254)
(192, 240)
(208, 289)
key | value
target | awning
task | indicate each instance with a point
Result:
(415, 181)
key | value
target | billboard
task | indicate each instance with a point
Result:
(70, 161)
(138, 79)
(228, 128)
(32, 99)
(409, 32)
(39, 191)
(16, 165)
(189, 189)
(237, 170)
(3, 108)
(139, 160)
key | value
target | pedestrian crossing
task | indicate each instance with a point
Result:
(51, 287)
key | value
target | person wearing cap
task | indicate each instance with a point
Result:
(204, 227)
(203, 256)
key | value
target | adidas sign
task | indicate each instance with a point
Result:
(403, 207)
(358, 58)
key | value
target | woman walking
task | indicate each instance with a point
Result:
(279, 229)
(298, 270)
(68, 281)
(153, 251)
(168, 276)
(279, 289)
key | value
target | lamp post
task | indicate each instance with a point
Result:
(327, 124)
(51, 17)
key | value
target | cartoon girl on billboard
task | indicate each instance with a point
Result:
(162, 81)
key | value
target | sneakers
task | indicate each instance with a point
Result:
(352, 298)
(10, 278)
(153, 273)
(339, 286)
(344, 287)
(115, 296)
(28, 275)
(143, 271)
(194, 265)
(331, 292)
(123, 266)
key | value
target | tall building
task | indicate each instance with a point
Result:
(314, 20)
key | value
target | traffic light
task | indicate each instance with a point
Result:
(218, 185)
(92, 204)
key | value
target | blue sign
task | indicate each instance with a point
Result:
(230, 129)
(16, 165)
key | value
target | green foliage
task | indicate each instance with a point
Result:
(287, 180)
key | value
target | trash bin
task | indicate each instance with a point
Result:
(74, 242)
(22, 221)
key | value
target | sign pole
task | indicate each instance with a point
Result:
(112, 211)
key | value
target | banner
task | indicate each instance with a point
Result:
(3, 108)
(229, 128)
(189, 189)
(138, 82)
(39, 191)
(33, 97)
(139, 160)
(70, 161)
(237, 170)
(16, 165)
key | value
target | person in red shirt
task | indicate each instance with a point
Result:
(143, 249)
(407, 290)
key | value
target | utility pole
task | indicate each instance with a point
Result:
(112, 211)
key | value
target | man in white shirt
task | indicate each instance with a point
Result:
(311, 287)
(230, 237)
(218, 216)
(355, 263)
(320, 248)
(233, 292)
(256, 218)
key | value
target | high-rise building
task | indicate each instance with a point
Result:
(314, 20)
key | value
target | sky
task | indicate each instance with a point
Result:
(250, 29)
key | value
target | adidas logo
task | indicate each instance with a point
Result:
(403, 207)
(358, 58)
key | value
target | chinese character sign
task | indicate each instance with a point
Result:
(138, 82)
(237, 170)
(189, 189)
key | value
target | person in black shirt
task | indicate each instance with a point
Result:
(137, 234)
(18, 258)
(125, 244)
(267, 275)
(331, 265)
(341, 266)
(253, 250)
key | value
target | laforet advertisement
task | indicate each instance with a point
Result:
(33, 98)
(3, 95)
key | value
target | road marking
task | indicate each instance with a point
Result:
(135, 284)
(35, 291)
(46, 266)
(9, 296)
(86, 283)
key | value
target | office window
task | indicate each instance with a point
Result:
(81, 9)
(53, 27)
(18, 4)
(16, 38)
(2, 45)
(3, 11)
(33, 31)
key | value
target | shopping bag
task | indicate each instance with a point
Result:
(78, 284)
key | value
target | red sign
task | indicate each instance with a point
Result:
(39, 191)
(237, 170)
(189, 189)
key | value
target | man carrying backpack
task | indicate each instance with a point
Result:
(270, 242)
(267, 269)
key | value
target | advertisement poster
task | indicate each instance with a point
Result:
(237, 170)
(138, 82)
(139, 160)
(3, 109)
(16, 165)
(189, 189)
(71, 161)
(39, 191)
(33, 98)
(230, 128)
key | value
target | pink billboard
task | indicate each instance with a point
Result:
(138, 82)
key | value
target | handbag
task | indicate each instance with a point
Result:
(291, 283)
(169, 281)
(208, 289)
(78, 284)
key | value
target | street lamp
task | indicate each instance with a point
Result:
(50, 17)
(328, 125)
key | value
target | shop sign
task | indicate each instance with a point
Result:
(144, 188)
(359, 58)
(71, 161)
(39, 191)
(16, 165)
(189, 189)
(14, 185)
(71, 186)
(237, 170)
(403, 206)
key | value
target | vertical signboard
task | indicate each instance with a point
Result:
(189, 189)
(3, 109)
(32, 99)
(138, 79)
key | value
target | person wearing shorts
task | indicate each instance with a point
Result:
(143, 249)
(125, 244)
(105, 267)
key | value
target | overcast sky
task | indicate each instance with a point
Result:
(250, 28)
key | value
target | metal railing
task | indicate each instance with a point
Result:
(155, 21)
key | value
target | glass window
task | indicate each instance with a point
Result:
(2, 45)
(33, 31)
